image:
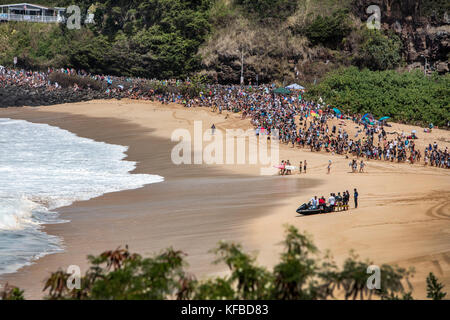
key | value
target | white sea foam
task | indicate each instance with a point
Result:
(43, 168)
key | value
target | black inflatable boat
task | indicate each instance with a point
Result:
(305, 210)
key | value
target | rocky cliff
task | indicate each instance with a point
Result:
(423, 26)
(282, 50)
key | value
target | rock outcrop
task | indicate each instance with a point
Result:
(423, 26)
(16, 96)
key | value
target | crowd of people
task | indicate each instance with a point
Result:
(22, 78)
(112, 86)
(335, 202)
(268, 112)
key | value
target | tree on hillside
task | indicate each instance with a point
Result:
(378, 51)
(329, 30)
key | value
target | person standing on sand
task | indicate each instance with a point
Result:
(361, 166)
(332, 201)
(346, 199)
(213, 129)
(304, 166)
(329, 166)
(355, 196)
(288, 171)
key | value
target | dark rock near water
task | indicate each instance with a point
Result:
(16, 96)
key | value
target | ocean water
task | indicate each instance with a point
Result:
(43, 168)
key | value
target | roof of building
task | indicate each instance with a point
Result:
(30, 5)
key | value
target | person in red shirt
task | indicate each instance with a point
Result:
(322, 203)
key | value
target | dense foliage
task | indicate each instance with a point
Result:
(378, 51)
(435, 8)
(152, 38)
(434, 288)
(406, 97)
(300, 274)
(279, 9)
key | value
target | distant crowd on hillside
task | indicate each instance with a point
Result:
(111, 86)
(267, 110)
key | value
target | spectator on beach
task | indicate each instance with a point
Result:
(332, 201)
(355, 196)
(314, 202)
(361, 166)
(346, 199)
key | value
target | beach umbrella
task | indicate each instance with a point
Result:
(314, 114)
(337, 110)
(368, 118)
(384, 118)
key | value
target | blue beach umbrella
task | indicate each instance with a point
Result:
(368, 118)
(384, 118)
(337, 110)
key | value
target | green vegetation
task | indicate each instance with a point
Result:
(378, 51)
(434, 288)
(11, 293)
(329, 30)
(300, 274)
(406, 97)
(278, 9)
(436, 8)
(153, 39)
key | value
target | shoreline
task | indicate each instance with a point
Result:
(160, 215)
(128, 208)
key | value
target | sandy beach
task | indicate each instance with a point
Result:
(403, 217)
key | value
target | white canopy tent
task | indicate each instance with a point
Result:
(295, 86)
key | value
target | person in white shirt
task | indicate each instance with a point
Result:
(332, 201)
(314, 202)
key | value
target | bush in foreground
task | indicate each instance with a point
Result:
(300, 274)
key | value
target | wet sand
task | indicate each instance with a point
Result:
(403, 218)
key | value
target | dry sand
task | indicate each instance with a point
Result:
(403, 217)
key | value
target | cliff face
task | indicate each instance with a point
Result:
(423, 25)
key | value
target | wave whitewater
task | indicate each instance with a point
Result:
(43, 168)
